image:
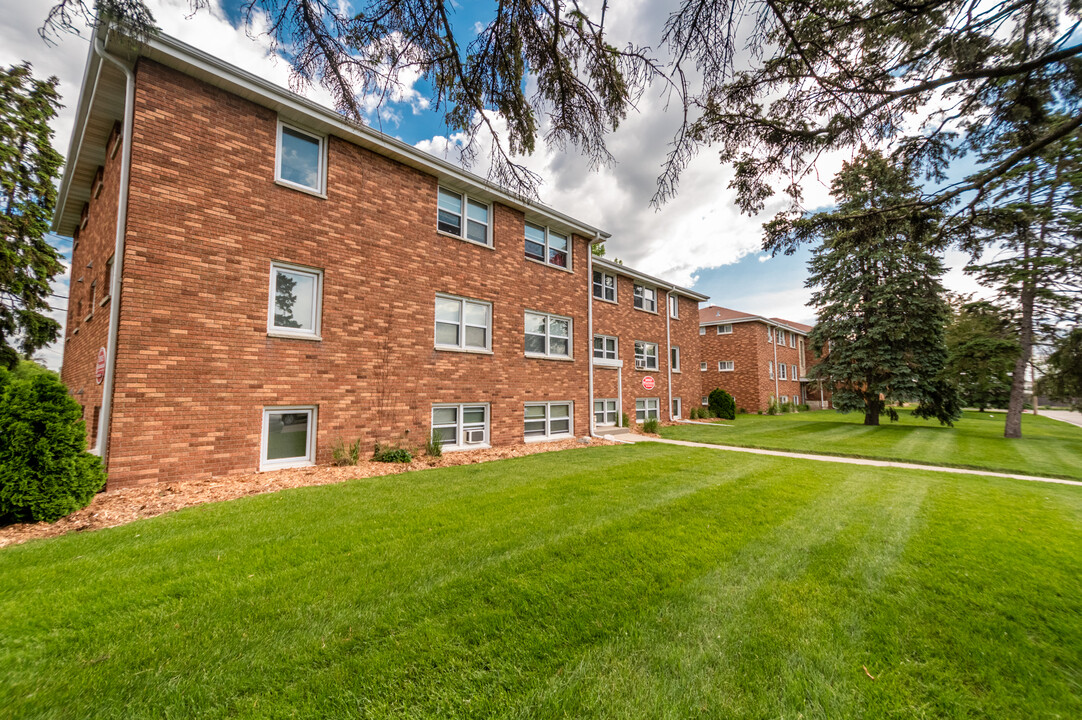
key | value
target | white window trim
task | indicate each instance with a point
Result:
(702, 330)
(317, 323)
(466, 198)
(604, 360)
(782, 371)
(547, 355)
(792, 372)
(646, 409)
(615, 412)
(549, 436)
(321, 191)
(570, 244)
(727, 331)
(657, 361)
(679, 411)
(722, 368)
(462, 347)
(770, 366)
(310, 449)
(615, 288)
(702, 367)
(705, 400)
(459, 432)
(674, 307)
(792, 340)
(674, 355)
(635, 297)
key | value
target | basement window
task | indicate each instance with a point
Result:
(461, 426)
(646, 409)
(548, 421)
(295, 302)
(289, 437)
(301, 161)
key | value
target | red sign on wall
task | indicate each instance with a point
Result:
(99, 371)
(648, 382)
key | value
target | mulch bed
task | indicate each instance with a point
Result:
(118, 507)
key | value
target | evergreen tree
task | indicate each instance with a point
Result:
(982, 348)
(1063, 369)
(284, 299)
(28, 171)
(879, 298)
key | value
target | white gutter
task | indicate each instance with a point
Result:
(102, 446)
(668, 344)
(777, 392)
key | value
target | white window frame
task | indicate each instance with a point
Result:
(548, 337)
(770, 367)
(702, 367)
(792, 373)
(645, 356)
(646, 409)
(309, 457)
(726, 365)
(549, 435)
(792, 340)
(460, 425)
(615, 286)
(462, 346)
(677, 409)
(784, 400)
(782, 371)
(549, 231)
(702, 330)
(321, 191)
(674, 306)
(769, 334)
(726, 329)
(464, 217)
(603, 359)
(317, 320)
(800, 354)
(613, 410)
(674, 357)
(705, 400)
(639, 298)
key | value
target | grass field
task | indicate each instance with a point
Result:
(1048, 447)
(642, 581)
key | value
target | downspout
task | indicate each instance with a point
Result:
(590, 327)
(102, 446)
(777, 393)
(668, 345)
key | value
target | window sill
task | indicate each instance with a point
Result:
(104, 301)
(558, 358)
(604, 300)
(291, 336)
(569, 271)
(464, 448)
(88, 318)
(646, 370)
(599, 362)
(300, 188)
(550, 438)
(733, 370)
(468, 351)
(268, 467)
(677, 371)
(651, 312)
(75, 332)
(446, 234)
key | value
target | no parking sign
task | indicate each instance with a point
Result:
(648, 382)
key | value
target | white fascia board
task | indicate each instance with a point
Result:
(626, 271)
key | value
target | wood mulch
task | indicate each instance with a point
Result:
(118, 507)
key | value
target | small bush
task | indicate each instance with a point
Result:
(651, 426)
(694, 414)
(392, 454)
(758, 412)
(722, 404)
(773, 408)
(803, 407)
(45, 470)
(625, 421)
(743, 411)
(343, 453)
(434, 446)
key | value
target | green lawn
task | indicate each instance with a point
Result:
(1048, 447)
(643, 581)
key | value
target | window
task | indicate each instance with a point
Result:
(605, 347)
(548, 335)
(705, 400)
(781, 371)
(547, 246)
(792, 340)
(645, 355)
(646, 298)
(770, 334)
(793, 375)
(645, 409)
(725, 365)
(674, 358)
(674, 306)
(545, 421)
(301, 159)
(605, 412)
(604, 286)
(702, 366)
(784, 399)
(800, 354)
(289, 437)
(725, 329)
(449, 217)
(461, 426)
(675, 408)
(108, 280)
(295, 298)
(770, 367)
(463, 324)
(93, 297)
(702, 330)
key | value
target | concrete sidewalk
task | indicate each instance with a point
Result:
(851, 461)
(1067, 416)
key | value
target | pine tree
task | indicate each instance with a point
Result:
(879, 298)
(29, 167)
(1063, 369)
(982, 347)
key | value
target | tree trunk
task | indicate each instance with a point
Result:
(1013, 426)
(872, 408)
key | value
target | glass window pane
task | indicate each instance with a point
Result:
(446, 334)
(477, 211)
(476, 314)
(558, 346)
(535, 234)
(599, 406)
(557, 427)
(449, 223)
(444, 416)
(473, 416)
(449, 435)
(535, 324)
(448, 310)
(287, 435)
(476, 231)
(294, 295)
(559, 411)
(599, 343)
(535, 344)
(452, 202)
(557, 258)
(558, 327)
(534, 250)
(535, 411)
(300, 159)
(558, 242)
(476, 337)
(535, 427)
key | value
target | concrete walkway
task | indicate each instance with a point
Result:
(1067, 416)
(630, 437)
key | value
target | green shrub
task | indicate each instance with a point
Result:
(343, 453)
(743, 411)
(722, 404)
(434, 446)
(45, 469)
(803, 407)
(651, 426)
(694, 414)
(392, 454)
(625, 421)
(773, 408)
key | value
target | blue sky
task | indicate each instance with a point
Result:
(698, 240)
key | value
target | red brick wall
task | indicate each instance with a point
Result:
(87, 326)
(750, 382)
(687, 385)
(195, 365)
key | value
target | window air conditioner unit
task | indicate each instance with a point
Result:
(473, 437)
(640, 364)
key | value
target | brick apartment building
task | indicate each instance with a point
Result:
(757, 359)
(253, 278)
